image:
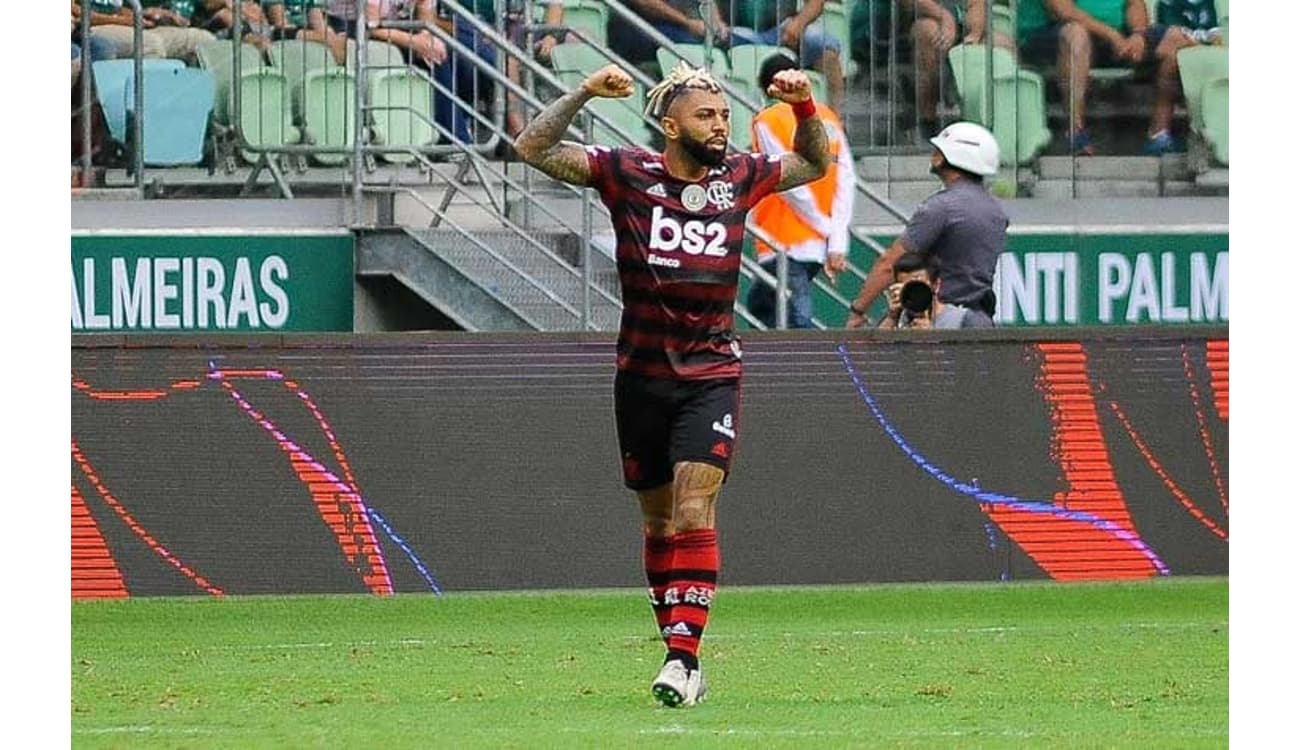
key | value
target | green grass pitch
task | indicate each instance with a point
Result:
(1141, 665)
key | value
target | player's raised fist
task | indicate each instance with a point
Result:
(611, 82)
(791, 86)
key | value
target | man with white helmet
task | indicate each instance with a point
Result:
(961, 227)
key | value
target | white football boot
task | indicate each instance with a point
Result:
(678, 686)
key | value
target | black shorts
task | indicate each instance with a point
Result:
(1042, 46)
(661, 422)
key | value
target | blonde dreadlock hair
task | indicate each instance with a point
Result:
(682, 77)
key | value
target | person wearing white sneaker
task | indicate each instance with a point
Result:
(678, 685)
(680, 219)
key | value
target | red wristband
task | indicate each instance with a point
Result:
(804, 109)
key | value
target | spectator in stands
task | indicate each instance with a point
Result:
(341, 15)
(811, 222)
(934, 25)
(962, 227)
(791, 24)
(474, 88)
(97, 47)
(924, 31)
(112, 26)
(680, 20)
(1083, 34)
(771, 22)
(554, 16)
(422, 48)
(168, 31)
(542, 47)
(915, 303)
(305, 20)
(973, 21)
(218, 16)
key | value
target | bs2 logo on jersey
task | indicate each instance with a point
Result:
(693, 237)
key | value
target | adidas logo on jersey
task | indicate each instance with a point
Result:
(677, 628)
(657, 191)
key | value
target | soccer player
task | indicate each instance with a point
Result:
(679, 217)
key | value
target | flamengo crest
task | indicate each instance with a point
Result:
(721, 195)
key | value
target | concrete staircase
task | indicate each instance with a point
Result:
(545, 290)
(495, 279)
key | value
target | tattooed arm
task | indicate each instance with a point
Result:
(812, 154)
(539, 143)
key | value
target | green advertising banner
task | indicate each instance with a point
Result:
(1089, 277)
(177, 282)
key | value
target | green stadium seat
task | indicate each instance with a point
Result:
(1016, 111)
(400, 98)
(742, 117)
(328, 106)
(379, 55)
(297, 58)
(577, 58)
(969, 63)
(218, 58)
(1003, 21)
(625, 117)
(1197, 66)
(749, 89)
(1215, 111)
(401, 104)
(323, 94)
(266, 111)
(746, 59)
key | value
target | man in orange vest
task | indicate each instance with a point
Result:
(810, 222)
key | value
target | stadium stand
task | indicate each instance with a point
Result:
(470, 209)
(573, 62)
(300, 102)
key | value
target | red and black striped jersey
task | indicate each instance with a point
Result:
(678, 250)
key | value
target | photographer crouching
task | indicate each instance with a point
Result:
(962, 226)
(914, 299)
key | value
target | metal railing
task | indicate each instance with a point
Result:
(751, 269)
(363, 150)
(361, 154)
(87, 96)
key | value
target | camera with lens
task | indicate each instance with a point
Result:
(916, 297)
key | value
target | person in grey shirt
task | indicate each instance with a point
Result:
(914, 298)
(961, 226)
